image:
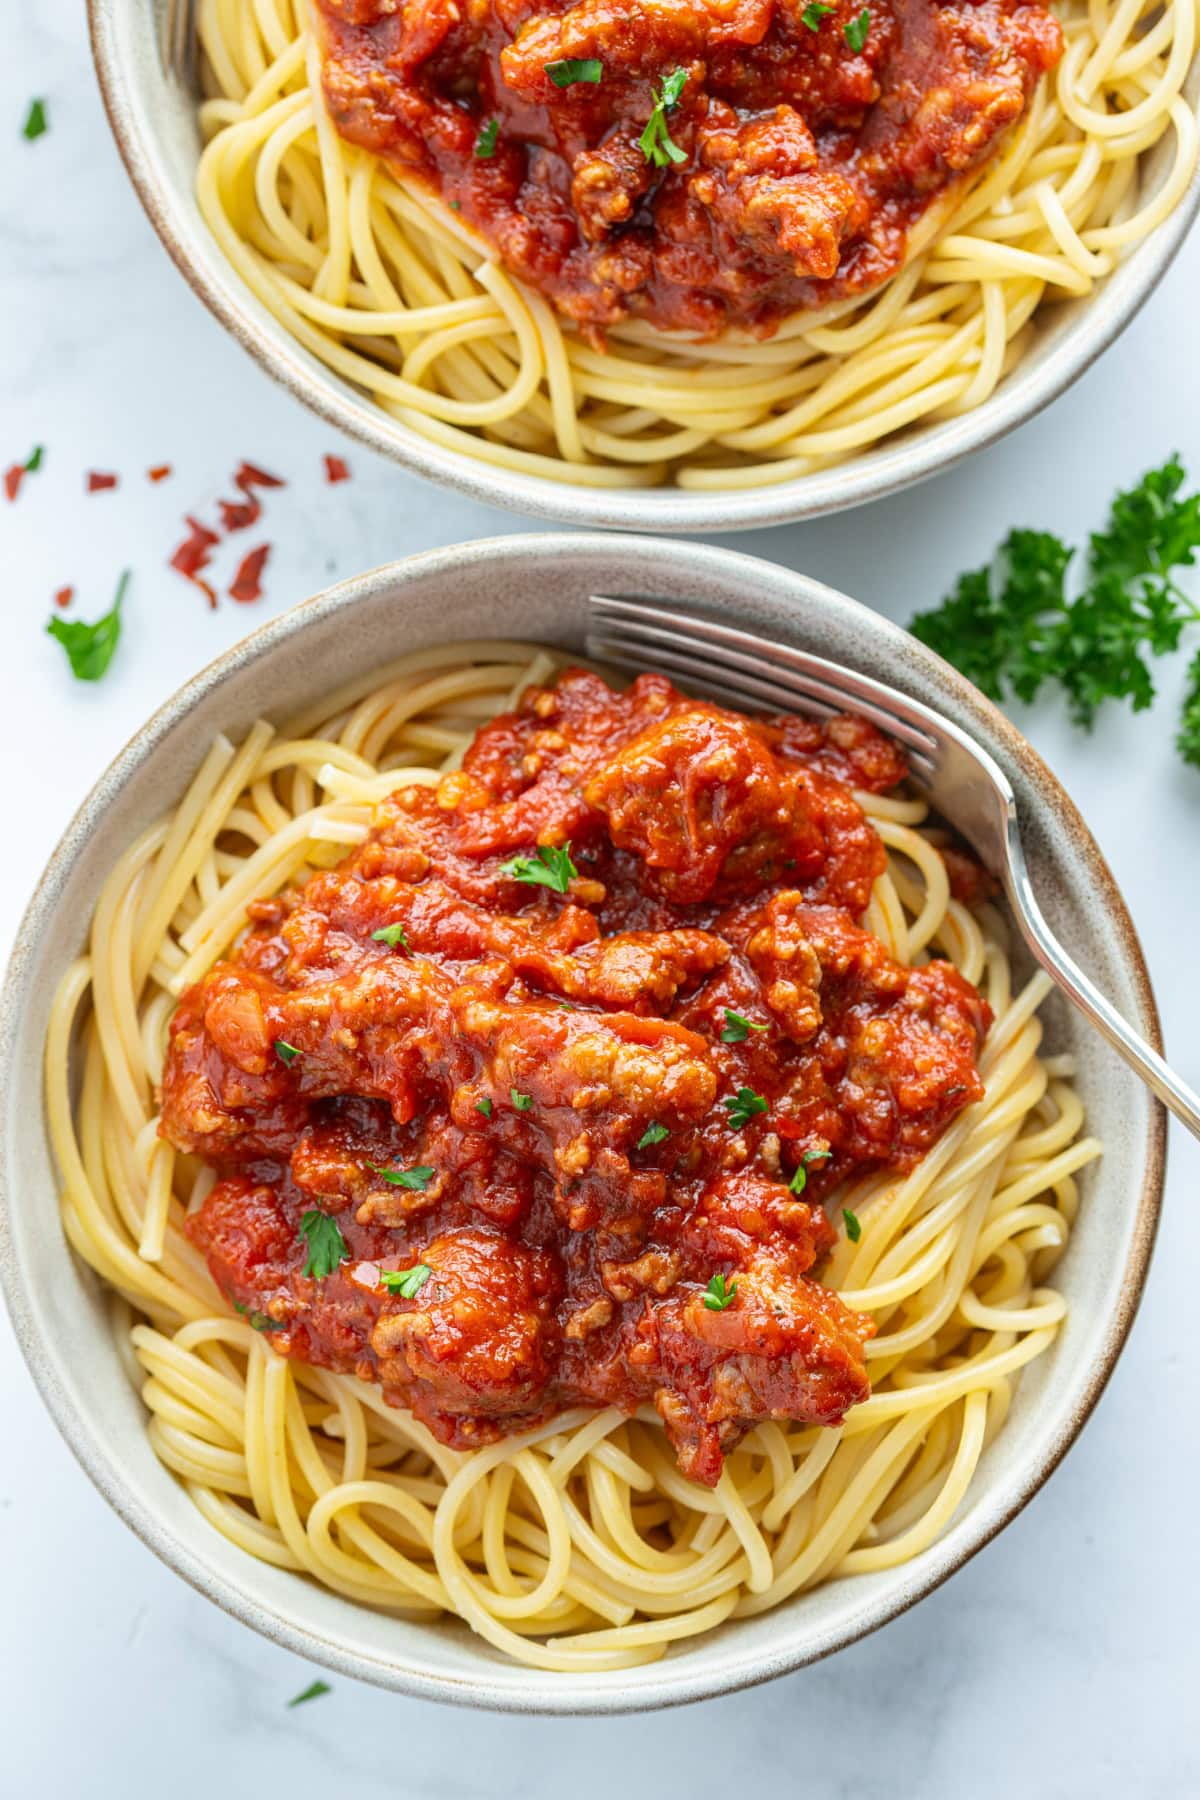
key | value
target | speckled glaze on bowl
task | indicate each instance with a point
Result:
(153, 121)
(535, 587)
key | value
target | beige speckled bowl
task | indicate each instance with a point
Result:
(534, 587)
(153, 121)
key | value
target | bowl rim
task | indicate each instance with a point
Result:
(669, 1682)
(896, 465)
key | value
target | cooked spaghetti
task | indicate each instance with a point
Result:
(536, 1274)
(999, 195)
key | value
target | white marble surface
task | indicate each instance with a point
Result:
(1063, 1661)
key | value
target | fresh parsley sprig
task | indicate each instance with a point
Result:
(551, 867)
(718, 1295)
(743, 1105)
(416, 1180)
(857, 30)
(90, 648)
(656, 142)
(1011, 627)
(326, 1245)
(738, 1028)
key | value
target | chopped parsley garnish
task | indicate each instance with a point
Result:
(655, 141)
(1012, 628)
(35, 459)
(717, 1296)
(653, 1134)
(261, 1321)
(418, 1179)
(287, 1053)
(570, 69)
(485, 1107)
(856, 32)
(813, 13)
(485, 143)
(406, 1282)
(36, 121)
(90, 648)
(313, 1691)
(522, 1102)
(743, 1106)
(799, 1180)
(853, 1228)
(551, 867)
(326, 1245)
(391, 935)
(738, 1029)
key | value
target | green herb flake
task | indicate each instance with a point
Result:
(36, 122)
(36, 457)
(853, 1228)
(717, 1296)
(738, 1029)
(485, 143)
(799, 1180)
(551, 867)
(313, 1691)
(287, 1053)
(814, 13)
(326, 1245)
(90, 648)
(415, 1179)
(260, 1321)
(522, 1102)
(858, 29)
(655, 142)
(391, 935)
(406, 1282)
(743, 1105)
(653, 1134)
(484, 1107)
(570, 69)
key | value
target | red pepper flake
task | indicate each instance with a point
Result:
(336, 470)
(97, 483)
(246, 584)
(239, 515)
(193, 555)
(64, 596)
(249, 477)
(159, 472)
(13, 477)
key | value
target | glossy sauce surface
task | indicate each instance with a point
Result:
(558, 1069)
(809, 141)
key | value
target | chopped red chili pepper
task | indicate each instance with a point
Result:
(193, 555)
(237, 515)
(336, 469)
(246, 583)
(96, 482)
(159, 472)
(13, 478)
(64, 596)
(249, 476)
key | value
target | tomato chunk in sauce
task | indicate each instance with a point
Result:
(556, 1074)
(806, 142)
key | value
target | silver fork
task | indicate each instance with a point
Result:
(962, 781)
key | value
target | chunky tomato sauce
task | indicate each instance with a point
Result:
(808, 140)
(601, 1098)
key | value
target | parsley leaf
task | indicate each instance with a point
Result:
(35, 459)
(261, 1321)
(287, 1053)
(655, 142)
(799, 1180)
(814, 13)
(313, 1691)
(485, 143)
(90, 648)
(856, 32)
(1012, 628)
(406, 1282)
(743, 1106)
(570, 69)
(485, 1107)
(522, 1102)
(36, 121)
(717, 1296)
(326, 1245)
(738, 1029)
(551, 867)
(391, 935)
(853, 1228)
(1188, 741)
(653, 1134)
(418, 1179)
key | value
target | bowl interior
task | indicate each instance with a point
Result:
(535, 587)
(155, 125)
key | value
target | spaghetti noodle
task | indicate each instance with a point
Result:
(380, 280)
(579, 1544)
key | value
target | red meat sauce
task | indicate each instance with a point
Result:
(521, 1044)
(805, 163)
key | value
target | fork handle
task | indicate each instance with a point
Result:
(1077, 986)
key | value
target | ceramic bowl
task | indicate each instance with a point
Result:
(153, 120)
(535, 588)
